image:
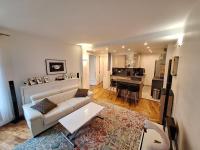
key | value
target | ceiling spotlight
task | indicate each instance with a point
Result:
(145, 43)
(123, 46)
(129, 49)
(107, 48)
(180, 40)
(148, 47)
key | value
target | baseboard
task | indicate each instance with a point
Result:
(17, 120)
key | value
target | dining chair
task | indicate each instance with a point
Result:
(133, 93)
(113, 86)
(122, 90)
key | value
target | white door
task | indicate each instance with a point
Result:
(106, 73)
(97, 69)
(101, 68)
(92, 70)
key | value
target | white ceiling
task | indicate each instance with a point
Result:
(100, 22)
(155, 47)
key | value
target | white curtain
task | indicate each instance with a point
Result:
(6, 112)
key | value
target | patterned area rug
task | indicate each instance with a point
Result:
(120, 129)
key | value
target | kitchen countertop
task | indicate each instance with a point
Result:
(125, 79)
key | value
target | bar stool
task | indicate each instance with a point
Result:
(133, 93)
(122, 90)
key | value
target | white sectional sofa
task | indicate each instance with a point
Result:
(66, 103)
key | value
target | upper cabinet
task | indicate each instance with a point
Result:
(132, 60)
(118, 61)
(129, 60)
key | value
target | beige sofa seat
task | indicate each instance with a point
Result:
(76, 103)
(57, 113)
(64, 108)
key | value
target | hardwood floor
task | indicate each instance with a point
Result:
(13, 134)
(149, 108)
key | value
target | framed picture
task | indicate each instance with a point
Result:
(54, 66)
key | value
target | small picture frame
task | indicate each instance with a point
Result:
(46, 79)
(74, 75)
(71, 75)
(38, 80)
(65, 76)
(26, 83)
(31, 81)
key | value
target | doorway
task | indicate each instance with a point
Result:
(92, 70)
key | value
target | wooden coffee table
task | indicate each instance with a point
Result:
(77, 119)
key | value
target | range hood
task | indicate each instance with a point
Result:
(131, 60)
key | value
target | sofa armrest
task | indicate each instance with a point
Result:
(34, 119)
(30, 113)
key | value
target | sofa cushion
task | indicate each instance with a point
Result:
(57, 113)
(44, 106)
(77, 102)
(37, 97)
(65, 108)
(58, 98)
(81, 93)
(42, 95)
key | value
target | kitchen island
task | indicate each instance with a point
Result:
(130, 80)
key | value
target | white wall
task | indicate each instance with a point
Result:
(147, 61)
(28, 54)
(186, 84)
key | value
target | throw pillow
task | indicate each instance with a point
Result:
(81, 93)
(44, 106)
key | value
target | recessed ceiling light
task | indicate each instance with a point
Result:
(145, 43)
(129, 49)
(148, 47)
(107, 48)
(123, 46)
